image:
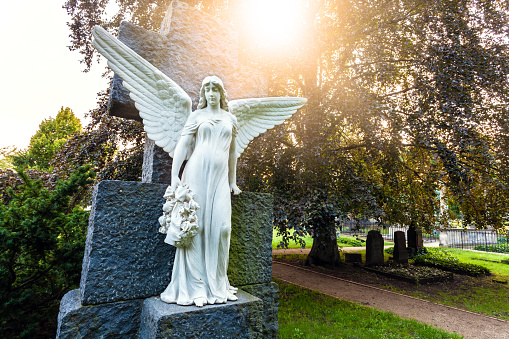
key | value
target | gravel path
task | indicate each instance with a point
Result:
(468, 324)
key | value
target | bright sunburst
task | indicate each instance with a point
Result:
(274, 23)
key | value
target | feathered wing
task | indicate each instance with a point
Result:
(256, 116)
(163, 105)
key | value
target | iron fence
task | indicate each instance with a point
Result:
(489, 240)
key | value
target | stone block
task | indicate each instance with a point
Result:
(269, 294)
(125, 255)
(414, 238)
(239, 319)
(251, 239)
(374, 248)
(156, 164)
(400, 252)
(353, 257)
(112, 320)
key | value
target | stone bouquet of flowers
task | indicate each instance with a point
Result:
(179, 220)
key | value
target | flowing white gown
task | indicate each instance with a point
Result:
(199, 271)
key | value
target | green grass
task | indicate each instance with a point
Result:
(307, 314)
(481, 295)
(349, 242)
(498, 269)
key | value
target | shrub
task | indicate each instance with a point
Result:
(445, 260)
(501, 248)
(350, 241)
(42, 238)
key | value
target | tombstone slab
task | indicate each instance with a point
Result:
(414, 238)
(251, 239)
(269, 294)
(374, 248)
(400, 252)
(109, 321)
(125, 255)
(239, 319)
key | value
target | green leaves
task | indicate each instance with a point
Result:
(42, 238)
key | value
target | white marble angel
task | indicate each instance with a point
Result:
(211, 139)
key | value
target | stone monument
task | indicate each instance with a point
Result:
(414, 238)
(123, 248)
(400, 252)
(374, 248)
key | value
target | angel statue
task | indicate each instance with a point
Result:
(211, 139)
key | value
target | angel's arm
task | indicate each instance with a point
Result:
(232, 168)
(181, 151)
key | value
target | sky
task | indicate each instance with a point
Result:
(39, 74)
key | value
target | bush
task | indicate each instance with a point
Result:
(445, 260)
(350, 241)
(501, 248)
(42, 239)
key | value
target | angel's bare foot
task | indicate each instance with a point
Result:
(232, 297)
(200, 302)
(233, 289)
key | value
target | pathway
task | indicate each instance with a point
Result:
(469, 324)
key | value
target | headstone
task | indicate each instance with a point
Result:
(241, 319)
(126, 261)
(353, 257)
(125, 255)
(374, 248)
(400, 252)
(414, 238)
(193, 45)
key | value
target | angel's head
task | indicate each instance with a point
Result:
(215, 81)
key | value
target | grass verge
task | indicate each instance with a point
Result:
(475, 294)
(308, 314)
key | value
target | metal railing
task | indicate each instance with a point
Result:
(489, 240)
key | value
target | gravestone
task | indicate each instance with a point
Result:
(374, 248)
(353, 257)
(414, 238)
(126, 263)
(400, 254)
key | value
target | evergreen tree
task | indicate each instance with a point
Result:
(45, 143)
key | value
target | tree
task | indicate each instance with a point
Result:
(404, 98)
(42, 240)
(45, 143)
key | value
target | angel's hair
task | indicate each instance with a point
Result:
(219, 84)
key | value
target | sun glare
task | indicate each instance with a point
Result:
(274, 24)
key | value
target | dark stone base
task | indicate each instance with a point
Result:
(353, 257)
(111, 320)
(125, 255)
(269, 294)
(237, 319)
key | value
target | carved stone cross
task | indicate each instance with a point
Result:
(190, 46)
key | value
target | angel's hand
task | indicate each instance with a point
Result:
(174, 183)
(235, 189)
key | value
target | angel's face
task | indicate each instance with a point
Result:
(212, 95)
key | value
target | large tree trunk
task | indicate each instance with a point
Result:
(325, 247)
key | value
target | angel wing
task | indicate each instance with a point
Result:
(256, 116)
(163, 105)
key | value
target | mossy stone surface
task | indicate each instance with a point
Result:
(251, 239)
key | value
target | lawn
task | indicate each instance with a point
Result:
(343, 241)
(308, 314)
(486, 295)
